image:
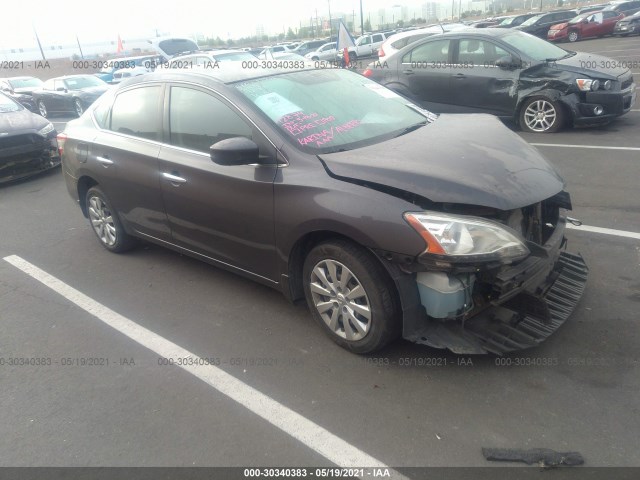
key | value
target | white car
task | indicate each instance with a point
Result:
(400, 40)
(327, 51)
(124, 73)
(209, 59)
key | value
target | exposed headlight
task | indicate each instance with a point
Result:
(46, 129)
(607, 85)
(586, 84)
(464, 238)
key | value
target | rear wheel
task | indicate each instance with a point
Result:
(106, 224)
(42, 108)
(350, 296)
(573, 36)
(541, 115)
(77, 106)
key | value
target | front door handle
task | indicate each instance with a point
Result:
(173, 178)
(105, 161)
(459, 76)
(408, 71)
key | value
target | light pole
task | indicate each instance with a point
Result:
(361, 20)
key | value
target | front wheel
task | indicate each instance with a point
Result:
(541, 115)
(350, 296)
(42, 108)
(106, 224)
(573, 36)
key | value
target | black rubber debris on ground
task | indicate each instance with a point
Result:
(545, 457)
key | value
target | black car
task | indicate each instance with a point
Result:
(27, 142)
(628, 25)
(627, 8)
(69, 94)
(515, 20)
(540, 24)
(310, 46)
(21, 89)
(510, 74)
(327, 186)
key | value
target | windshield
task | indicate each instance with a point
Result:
(508, 21)
(25, 82)
(531, 21)
(579, 18)
(321, 111)
(76, 83)
(8, 105)
(534, 47)
(233, 56)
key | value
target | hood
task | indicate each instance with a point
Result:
(579, 61)
(25, 90)
(21, 121)
(466, 159)
(95, 90)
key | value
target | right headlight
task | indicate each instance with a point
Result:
(459, 238)
(586, 84)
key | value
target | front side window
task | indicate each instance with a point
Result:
(76, 83)
(59, 85)
(437, 51)
(321, 111)
(479, 52)
(198, 119)
(49, 85)
(136, 112)
(534, 47)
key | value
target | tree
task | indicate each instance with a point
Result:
(367, 26)
(290, 34)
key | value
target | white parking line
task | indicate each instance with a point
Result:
(312, 435)
(601, 147)
(604, 231)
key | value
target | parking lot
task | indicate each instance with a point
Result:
(292, 397)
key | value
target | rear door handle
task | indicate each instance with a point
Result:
(105, 161)
(173, 178)
(459, 75)
(408, 71)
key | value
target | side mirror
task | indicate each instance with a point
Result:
(61, 89)
(235, 151)
(508, 62)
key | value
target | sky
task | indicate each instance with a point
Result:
(100, 20)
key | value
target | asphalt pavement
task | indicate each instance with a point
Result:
(98, 397)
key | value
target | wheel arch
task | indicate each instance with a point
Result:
(301, 248)
(85, 182)
(550, 94)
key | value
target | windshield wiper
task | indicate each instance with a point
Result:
(411, 129)
(569, 54)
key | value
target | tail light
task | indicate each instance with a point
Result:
(62, 137)
(367, 73)
(381, 52)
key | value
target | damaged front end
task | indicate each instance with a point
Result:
(491, 282)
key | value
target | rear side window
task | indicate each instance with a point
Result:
(437, 51)
(479, 52)
(378, 38)
(197, 120)
(403, 42)
(136, 112)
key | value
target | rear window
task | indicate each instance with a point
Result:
(177, 45)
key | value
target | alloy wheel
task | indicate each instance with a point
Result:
(340, 300)
(102, 221)
(42, 108)
(540, 116)
(77, 105)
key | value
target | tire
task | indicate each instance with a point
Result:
(106, 224)
(367, 321)
(541, 115)
(353, 59)
(42, 108)
(77, 107)
(573, 36)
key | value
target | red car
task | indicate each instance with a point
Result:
(591, 24)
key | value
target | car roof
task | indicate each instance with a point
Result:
(226, 73)
(64, 77)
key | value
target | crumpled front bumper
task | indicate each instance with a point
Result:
(536, 297)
